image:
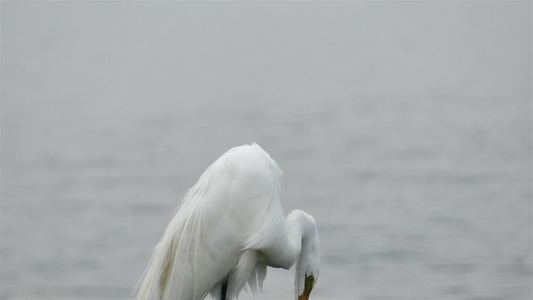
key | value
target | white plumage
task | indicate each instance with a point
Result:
(229, 227)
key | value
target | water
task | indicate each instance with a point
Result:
(404, 128)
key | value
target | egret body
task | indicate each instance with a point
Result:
(229, 227)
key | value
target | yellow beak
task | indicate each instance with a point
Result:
(303, 297)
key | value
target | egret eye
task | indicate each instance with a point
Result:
(310, 279)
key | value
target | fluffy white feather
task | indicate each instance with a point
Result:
(229, 226)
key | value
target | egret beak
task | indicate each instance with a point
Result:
(303, 297)
(307, 292)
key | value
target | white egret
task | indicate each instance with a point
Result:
(229, 227)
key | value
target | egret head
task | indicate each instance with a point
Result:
(308, 264)
(309, 282)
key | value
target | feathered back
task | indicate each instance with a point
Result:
(204, 243)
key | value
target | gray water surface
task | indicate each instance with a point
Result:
(404, 128)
